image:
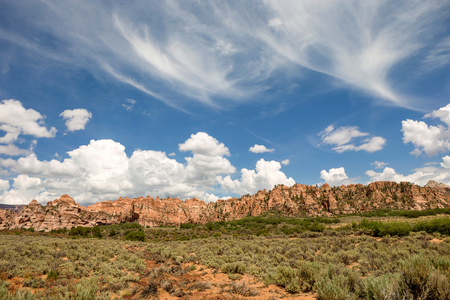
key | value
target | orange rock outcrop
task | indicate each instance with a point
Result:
(298, 200)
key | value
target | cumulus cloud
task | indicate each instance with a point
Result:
(420, 176)
(335, 176)
(285, 162)
(204, 144)
(12, 150)
(428, 138)
(76, 119)
(265, 176)
(16, 120)
(102, 170)
(4, 185)
(260, 149)
(231, 55)
(350, 139)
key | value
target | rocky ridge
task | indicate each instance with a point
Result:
(297, 200)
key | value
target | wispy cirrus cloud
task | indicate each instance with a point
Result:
(217, 52)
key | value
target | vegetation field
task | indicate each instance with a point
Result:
(384, 255)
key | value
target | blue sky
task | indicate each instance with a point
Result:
(214, 99)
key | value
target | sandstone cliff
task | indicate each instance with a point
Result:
(297, 200)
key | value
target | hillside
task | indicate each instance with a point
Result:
(298, 200)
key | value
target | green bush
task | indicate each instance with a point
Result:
(80, 231)
(135, 235)
(394, 229)
(52, 275)
(186, 226)
(441, 225)
(96, 232)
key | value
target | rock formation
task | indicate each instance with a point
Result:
(298, 200)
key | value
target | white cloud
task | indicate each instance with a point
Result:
(202, 143)
(230, 56)
(24, 182)
(16, 120)
(358, 43)
(285, 162)
(12, 150)
(129, 105)
(260, 149)
(265, 176)
(76, 119)
(420, 176)
(439, 56)
(4, 185)
(446, 162)
(101, 170)
(335, 176)
(428, 138)
(344, 139)
(379, 164)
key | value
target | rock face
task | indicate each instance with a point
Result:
(433, 184)
(298, 200)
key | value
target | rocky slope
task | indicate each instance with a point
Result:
(296, 200)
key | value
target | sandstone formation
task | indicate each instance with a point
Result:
(434, 184)
(298, 200)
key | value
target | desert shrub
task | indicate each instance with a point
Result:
(151, 289)
(438, 285)
(179, 259)
(415, 272)
(382, 288)
(200, 286)
(167, 285)
(334, 288)
(308, 272)
(242, 288)
(286, 277)
(86, 290)
(3, 290)
(235, 267)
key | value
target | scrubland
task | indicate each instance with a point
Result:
(378, 255)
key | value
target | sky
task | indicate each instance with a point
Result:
(217, 99)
